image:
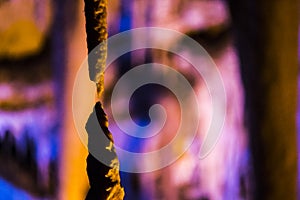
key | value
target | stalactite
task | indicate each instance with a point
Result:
(104, 180)
(96, 29)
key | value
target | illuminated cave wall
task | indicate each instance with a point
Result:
(30, 107)
(31, 72)
(224, 174)
(42, 46)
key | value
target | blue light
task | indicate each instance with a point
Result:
(10, 192)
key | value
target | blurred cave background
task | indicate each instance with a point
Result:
(253, 43)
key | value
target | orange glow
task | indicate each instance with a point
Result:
(74, 182)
